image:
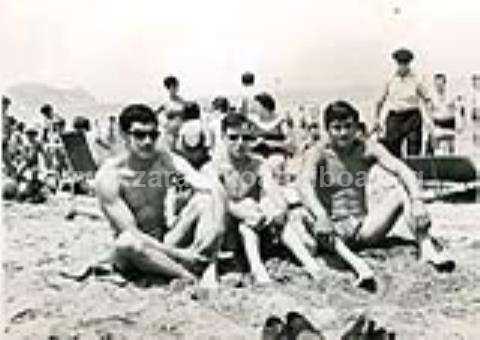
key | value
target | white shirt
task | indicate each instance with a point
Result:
(404, 93)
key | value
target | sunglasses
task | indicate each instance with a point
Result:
(245, 137)
(172, 115)
(141, 135)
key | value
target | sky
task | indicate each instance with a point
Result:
(122, 49)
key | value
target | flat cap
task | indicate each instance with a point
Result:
(402, 55)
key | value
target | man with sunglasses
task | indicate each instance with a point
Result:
(333, 187)
(256, 207)
(131, 189)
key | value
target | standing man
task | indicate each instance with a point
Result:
(444, 109)
(404, 93)
(175, 102)
(474, 111)
(248, 86)
(6, 134)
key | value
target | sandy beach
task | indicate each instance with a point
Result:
(412, 299)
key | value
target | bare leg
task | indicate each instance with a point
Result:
(360, 267)
(297, 218)
(252, 250)
(210, 276)
(380, 221)
(293, 242)
(381, 218)
(188, 215)
(128, 248)
(211, 225)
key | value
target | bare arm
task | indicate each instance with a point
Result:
(380, 104)
(271, 188)
(306, 185)
(424, 95)
(399, 169)
(196, 179)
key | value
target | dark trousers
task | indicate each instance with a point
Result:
(404, 125)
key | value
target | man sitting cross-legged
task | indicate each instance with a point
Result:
(256, 207)
(333, 188)
(131, 189)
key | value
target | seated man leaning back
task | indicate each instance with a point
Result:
(131, 188)
(333, 188)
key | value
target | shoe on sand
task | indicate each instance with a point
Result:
(299, 327)
(366, 283)
(272, 328)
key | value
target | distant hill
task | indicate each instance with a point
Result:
(27, 99)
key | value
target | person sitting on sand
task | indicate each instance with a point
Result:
(333, 188)
(256, 207)
(131, 189)
(31, 169)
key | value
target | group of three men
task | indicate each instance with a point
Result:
(241, 206)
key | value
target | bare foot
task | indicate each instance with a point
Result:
(262, 278)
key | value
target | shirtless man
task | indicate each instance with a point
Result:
(131, 189)
(333, 188)
(256, 206)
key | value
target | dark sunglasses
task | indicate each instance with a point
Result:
(172, 115)
(245, 137)
(141, 135)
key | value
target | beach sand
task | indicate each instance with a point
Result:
(412, 299)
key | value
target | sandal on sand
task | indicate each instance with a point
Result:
(367, 283)
(363, 328)
(102, 270)
(299, 327)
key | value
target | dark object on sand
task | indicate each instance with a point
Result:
(366, 329)
(273, 328)
(297, 327)
(9, 188)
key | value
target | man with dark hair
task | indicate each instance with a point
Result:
(444, 110)
(405, 93)
(171, 84)
(256, 206)
(131, 189)
(333, 188)
(248, 86)
(175, 103)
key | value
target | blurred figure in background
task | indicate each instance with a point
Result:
(404, 93)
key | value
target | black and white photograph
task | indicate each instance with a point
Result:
(240, 169)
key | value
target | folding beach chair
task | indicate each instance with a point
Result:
(78, 153)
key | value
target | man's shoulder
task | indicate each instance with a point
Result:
(111, 167)
(318, 150)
